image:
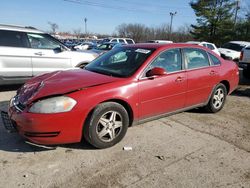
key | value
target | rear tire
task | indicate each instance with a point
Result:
(217, 99)
(107, 125)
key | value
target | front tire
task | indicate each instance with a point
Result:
(107, 125)
(217, 99)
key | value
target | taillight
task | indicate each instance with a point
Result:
(241, 55)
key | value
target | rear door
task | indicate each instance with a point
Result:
(46, 54)
(15, 57)
(200, 75)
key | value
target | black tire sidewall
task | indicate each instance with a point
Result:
(90, 126)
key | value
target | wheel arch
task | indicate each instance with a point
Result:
(226, 84)
(126, 105)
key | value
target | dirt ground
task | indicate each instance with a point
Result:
(190, 149)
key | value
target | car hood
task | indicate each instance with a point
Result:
(60, 82)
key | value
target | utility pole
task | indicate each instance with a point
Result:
(85, 20)
(236, 11)
(172, 14)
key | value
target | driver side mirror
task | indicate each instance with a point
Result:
(156, 71)
(57, 50)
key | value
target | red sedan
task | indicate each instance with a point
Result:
(127, 85)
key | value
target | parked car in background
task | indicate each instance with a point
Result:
(232, 49)
(127, 85)
(122, 40)
(244, 62)
(160, 41)
(209, 45)
(102, 48)
(26, 52)
(70, 44)
(85, 46)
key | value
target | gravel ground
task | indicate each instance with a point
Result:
(190, 149)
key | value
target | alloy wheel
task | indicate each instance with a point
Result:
(218, 98)
(109, 126)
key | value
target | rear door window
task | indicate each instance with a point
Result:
(13, 39)
(195, 58)
(121, 41)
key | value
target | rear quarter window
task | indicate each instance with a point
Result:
(214, 60)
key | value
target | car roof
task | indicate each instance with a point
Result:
(164, 45)
(193, 42)
(198, 42)
(19, 28)
(245, 43)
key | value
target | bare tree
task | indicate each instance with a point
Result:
(142, 33)
(77, 32)
(53, 27)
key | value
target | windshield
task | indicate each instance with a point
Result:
(233, 46)
(120, 62)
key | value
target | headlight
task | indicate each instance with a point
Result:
(53, 105)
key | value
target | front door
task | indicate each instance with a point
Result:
(46, 54)
(165, 93)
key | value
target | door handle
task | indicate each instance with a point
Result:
(179, 79)
(39, 53)
(212, 72)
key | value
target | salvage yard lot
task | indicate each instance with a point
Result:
(190, 149)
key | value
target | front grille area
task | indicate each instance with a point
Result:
(8, 123)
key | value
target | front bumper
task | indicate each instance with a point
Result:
(45, 129)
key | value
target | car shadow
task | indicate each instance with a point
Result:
(13, 142)
(241, 92)
(244, 81)
(10, 87)
(243, 89)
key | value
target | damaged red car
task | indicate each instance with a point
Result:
(125, 86)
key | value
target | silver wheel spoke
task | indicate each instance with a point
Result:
(118, 124)
(104, 122)
(113, 116)
(221, 96)
(111, 134)
(102, 133)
